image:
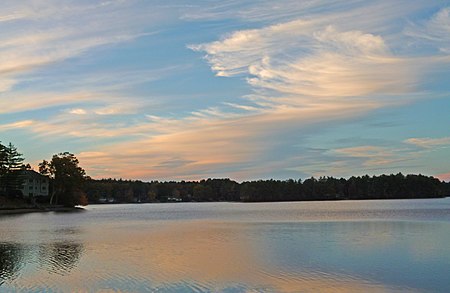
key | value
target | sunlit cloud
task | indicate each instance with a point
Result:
(78, 111)
(305, 63)
(208, 145)
(301, 67)
(116, 109)
(35, 101)
(427, 142)
(444, 176)
(42, 33)
(16, 125)
(6, 84)
(371, 155)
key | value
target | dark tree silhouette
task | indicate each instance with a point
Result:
(67, 179)
(394, 186)
(11, 161)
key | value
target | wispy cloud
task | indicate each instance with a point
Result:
(305, 65)
(78, 111)
(435, 31)
(209, 145)
(426, 142)
(39, 34)
(300, 62)
(373, 156)
(27, 101)
(16, 125)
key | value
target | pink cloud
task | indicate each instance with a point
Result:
(444, 176)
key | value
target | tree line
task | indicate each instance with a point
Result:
(394, 186)
(69, 185)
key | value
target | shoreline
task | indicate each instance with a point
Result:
(61, 209)
(26, 210)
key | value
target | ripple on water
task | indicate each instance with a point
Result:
(11, 261)
(60, 257)
(288, 247)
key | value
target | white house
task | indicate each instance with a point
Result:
(34, 184)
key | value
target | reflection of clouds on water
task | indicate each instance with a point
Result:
(60, 257)
(429, 241)
(199, 256)
(11, 261)
(196, 250)
(418, 239)
(139, 253)
(195, 256)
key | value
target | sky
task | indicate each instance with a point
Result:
(240, 89)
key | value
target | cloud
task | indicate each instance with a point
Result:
(78, 111)
(28, 101)
(439, 28)
(445, 177)
(435, 31)
(372, 156)
(39, 34)
(322, 59)
(427, 142)
(16, 125)
(356, 13)
(308, 64)
(303, 72)
(207, 146)
(300, 62)
(116, 109)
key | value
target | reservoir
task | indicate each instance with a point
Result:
(336, 246)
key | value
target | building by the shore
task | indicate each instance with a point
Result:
(34, 184)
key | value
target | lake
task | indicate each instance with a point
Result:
(341, 246)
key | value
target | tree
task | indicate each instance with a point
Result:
(67, 179)
(202, 193)
(3, 159)
(14, 159)
(11, 161)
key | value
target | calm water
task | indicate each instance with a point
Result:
(347, 246)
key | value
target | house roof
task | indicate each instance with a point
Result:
(31, 174)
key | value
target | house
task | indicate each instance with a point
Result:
(34, 184)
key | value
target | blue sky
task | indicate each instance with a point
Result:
(240, 89)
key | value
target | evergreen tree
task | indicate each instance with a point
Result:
(11, 161)
(14, 159)
(3, 159)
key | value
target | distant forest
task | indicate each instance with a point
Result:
(392, 186)
(70, 186)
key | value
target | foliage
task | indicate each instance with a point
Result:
(70, 186)
(394, 186)
(67, 179)
(11, 161)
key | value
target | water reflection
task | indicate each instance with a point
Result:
(11, 261)
(198, 256)
(60, 258)
(249, 248)
(17, 260)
